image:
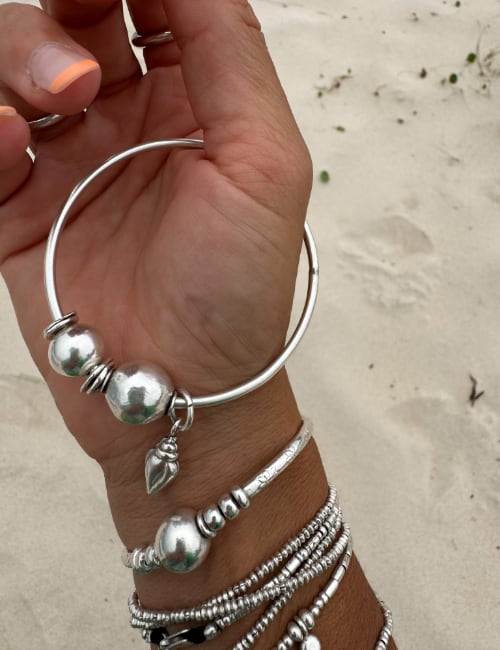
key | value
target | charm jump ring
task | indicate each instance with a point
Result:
(144, 40)
(182, 425)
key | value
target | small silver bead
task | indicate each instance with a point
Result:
(228, 507)
(75, 350)
(241, 497)
(211, 631)
(214, 518)
(302, 625)
(139, 393)
(295, 632)
(179, 545)
(202, 526)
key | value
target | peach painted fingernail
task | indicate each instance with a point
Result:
(7, 111)
(54, 67)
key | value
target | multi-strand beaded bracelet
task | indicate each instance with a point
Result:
(141, 392)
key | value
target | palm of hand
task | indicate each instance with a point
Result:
(167, 257)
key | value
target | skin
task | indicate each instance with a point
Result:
(187, 260)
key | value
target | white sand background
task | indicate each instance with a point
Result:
(408, 230)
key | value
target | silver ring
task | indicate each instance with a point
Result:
(143, 40)
(47, 120)
(204, 400)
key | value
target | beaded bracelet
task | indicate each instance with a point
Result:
(138, 392)
(183, 539)
(306, 556)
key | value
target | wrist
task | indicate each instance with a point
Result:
(225, 447)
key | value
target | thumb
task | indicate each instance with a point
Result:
(237, 99)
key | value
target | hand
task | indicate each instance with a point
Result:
(186, 259)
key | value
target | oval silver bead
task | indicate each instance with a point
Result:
(138, 393)
(179, 544)
(75, 350)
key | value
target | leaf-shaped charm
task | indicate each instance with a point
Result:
(161, 466)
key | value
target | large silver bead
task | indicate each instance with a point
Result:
(311, 643)
(139, 393)
(179, 545)
(75, 350)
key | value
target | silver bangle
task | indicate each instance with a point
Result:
(77, 350)
(183, 539)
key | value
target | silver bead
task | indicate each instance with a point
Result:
(214, 518)
(179, 544)
(211, 631)
(75, 350)
(295, 632)
(139, 393)
(241, 497)
(311, 643)
(229, 507)
(307, 618)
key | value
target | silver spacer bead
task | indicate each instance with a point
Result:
(241, 497)
(228, 506)
(60, 325)
(307, 618)
(98, 378)
(203, 527)
(295, 632)
(214, 518)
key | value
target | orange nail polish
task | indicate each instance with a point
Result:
(54, 67)
(7, 111)
(71, 74)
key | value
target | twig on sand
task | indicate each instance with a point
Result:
(474, 395)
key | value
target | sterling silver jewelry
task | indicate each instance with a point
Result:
(143, 40)
(386, 632)
(330, 512)
(311, 553)
(46, 121)
(183, 539)
(139, 392)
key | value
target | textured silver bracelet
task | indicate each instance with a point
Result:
(142, 392)
(386, 632)
(183, 539)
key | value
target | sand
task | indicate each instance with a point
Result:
(408, 229)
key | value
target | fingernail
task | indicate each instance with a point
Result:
(54, 67)
(7, 111)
